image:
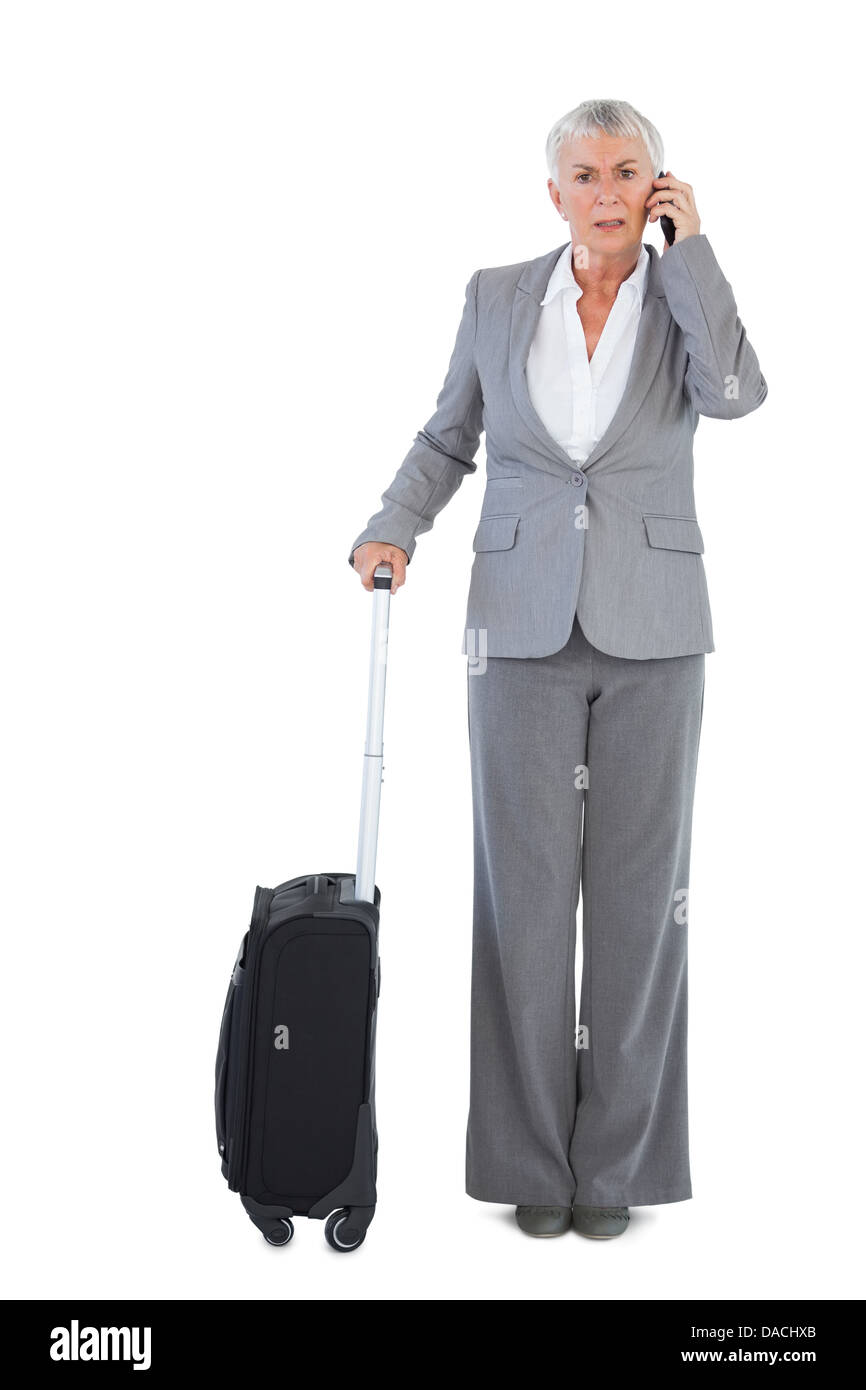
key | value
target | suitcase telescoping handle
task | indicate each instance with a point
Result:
(368, 835)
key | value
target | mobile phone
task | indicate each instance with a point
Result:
(667, 224)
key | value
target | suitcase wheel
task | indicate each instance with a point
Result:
(281, 1233)
(341, 1234)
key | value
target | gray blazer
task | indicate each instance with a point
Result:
(616, 540)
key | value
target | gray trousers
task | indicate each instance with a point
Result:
(583, 772)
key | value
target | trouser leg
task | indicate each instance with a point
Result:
(630, 1140)
(527, 731)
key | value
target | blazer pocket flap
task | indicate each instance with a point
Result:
(495, 533)
(674, 532)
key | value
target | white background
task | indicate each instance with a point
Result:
(236, 239)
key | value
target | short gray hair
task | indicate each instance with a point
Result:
(594, 118)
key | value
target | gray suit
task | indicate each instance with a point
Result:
(631, 567)
(587, 626)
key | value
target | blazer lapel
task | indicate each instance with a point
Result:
(653, 329)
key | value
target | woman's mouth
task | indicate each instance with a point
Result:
(610, 224)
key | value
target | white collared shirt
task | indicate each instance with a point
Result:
(575, 396)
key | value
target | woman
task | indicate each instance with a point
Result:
(587, 626)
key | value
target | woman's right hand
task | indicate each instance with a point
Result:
(373, 553)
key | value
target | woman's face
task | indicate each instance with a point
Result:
(603, 179)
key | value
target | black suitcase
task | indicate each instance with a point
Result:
(295, 1067)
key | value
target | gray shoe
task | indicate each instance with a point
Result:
(544, 1221)
(600, 1223)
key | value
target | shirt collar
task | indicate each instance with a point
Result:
(563, 278)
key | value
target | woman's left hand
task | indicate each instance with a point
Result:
(676, 200)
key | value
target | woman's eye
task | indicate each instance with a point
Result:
(632, 173)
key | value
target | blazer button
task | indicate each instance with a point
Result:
(577, 479)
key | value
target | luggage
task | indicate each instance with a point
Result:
(295, 1067)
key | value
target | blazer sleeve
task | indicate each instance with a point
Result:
(723, 378)
(442, 452)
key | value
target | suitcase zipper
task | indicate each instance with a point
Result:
(258, 926)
